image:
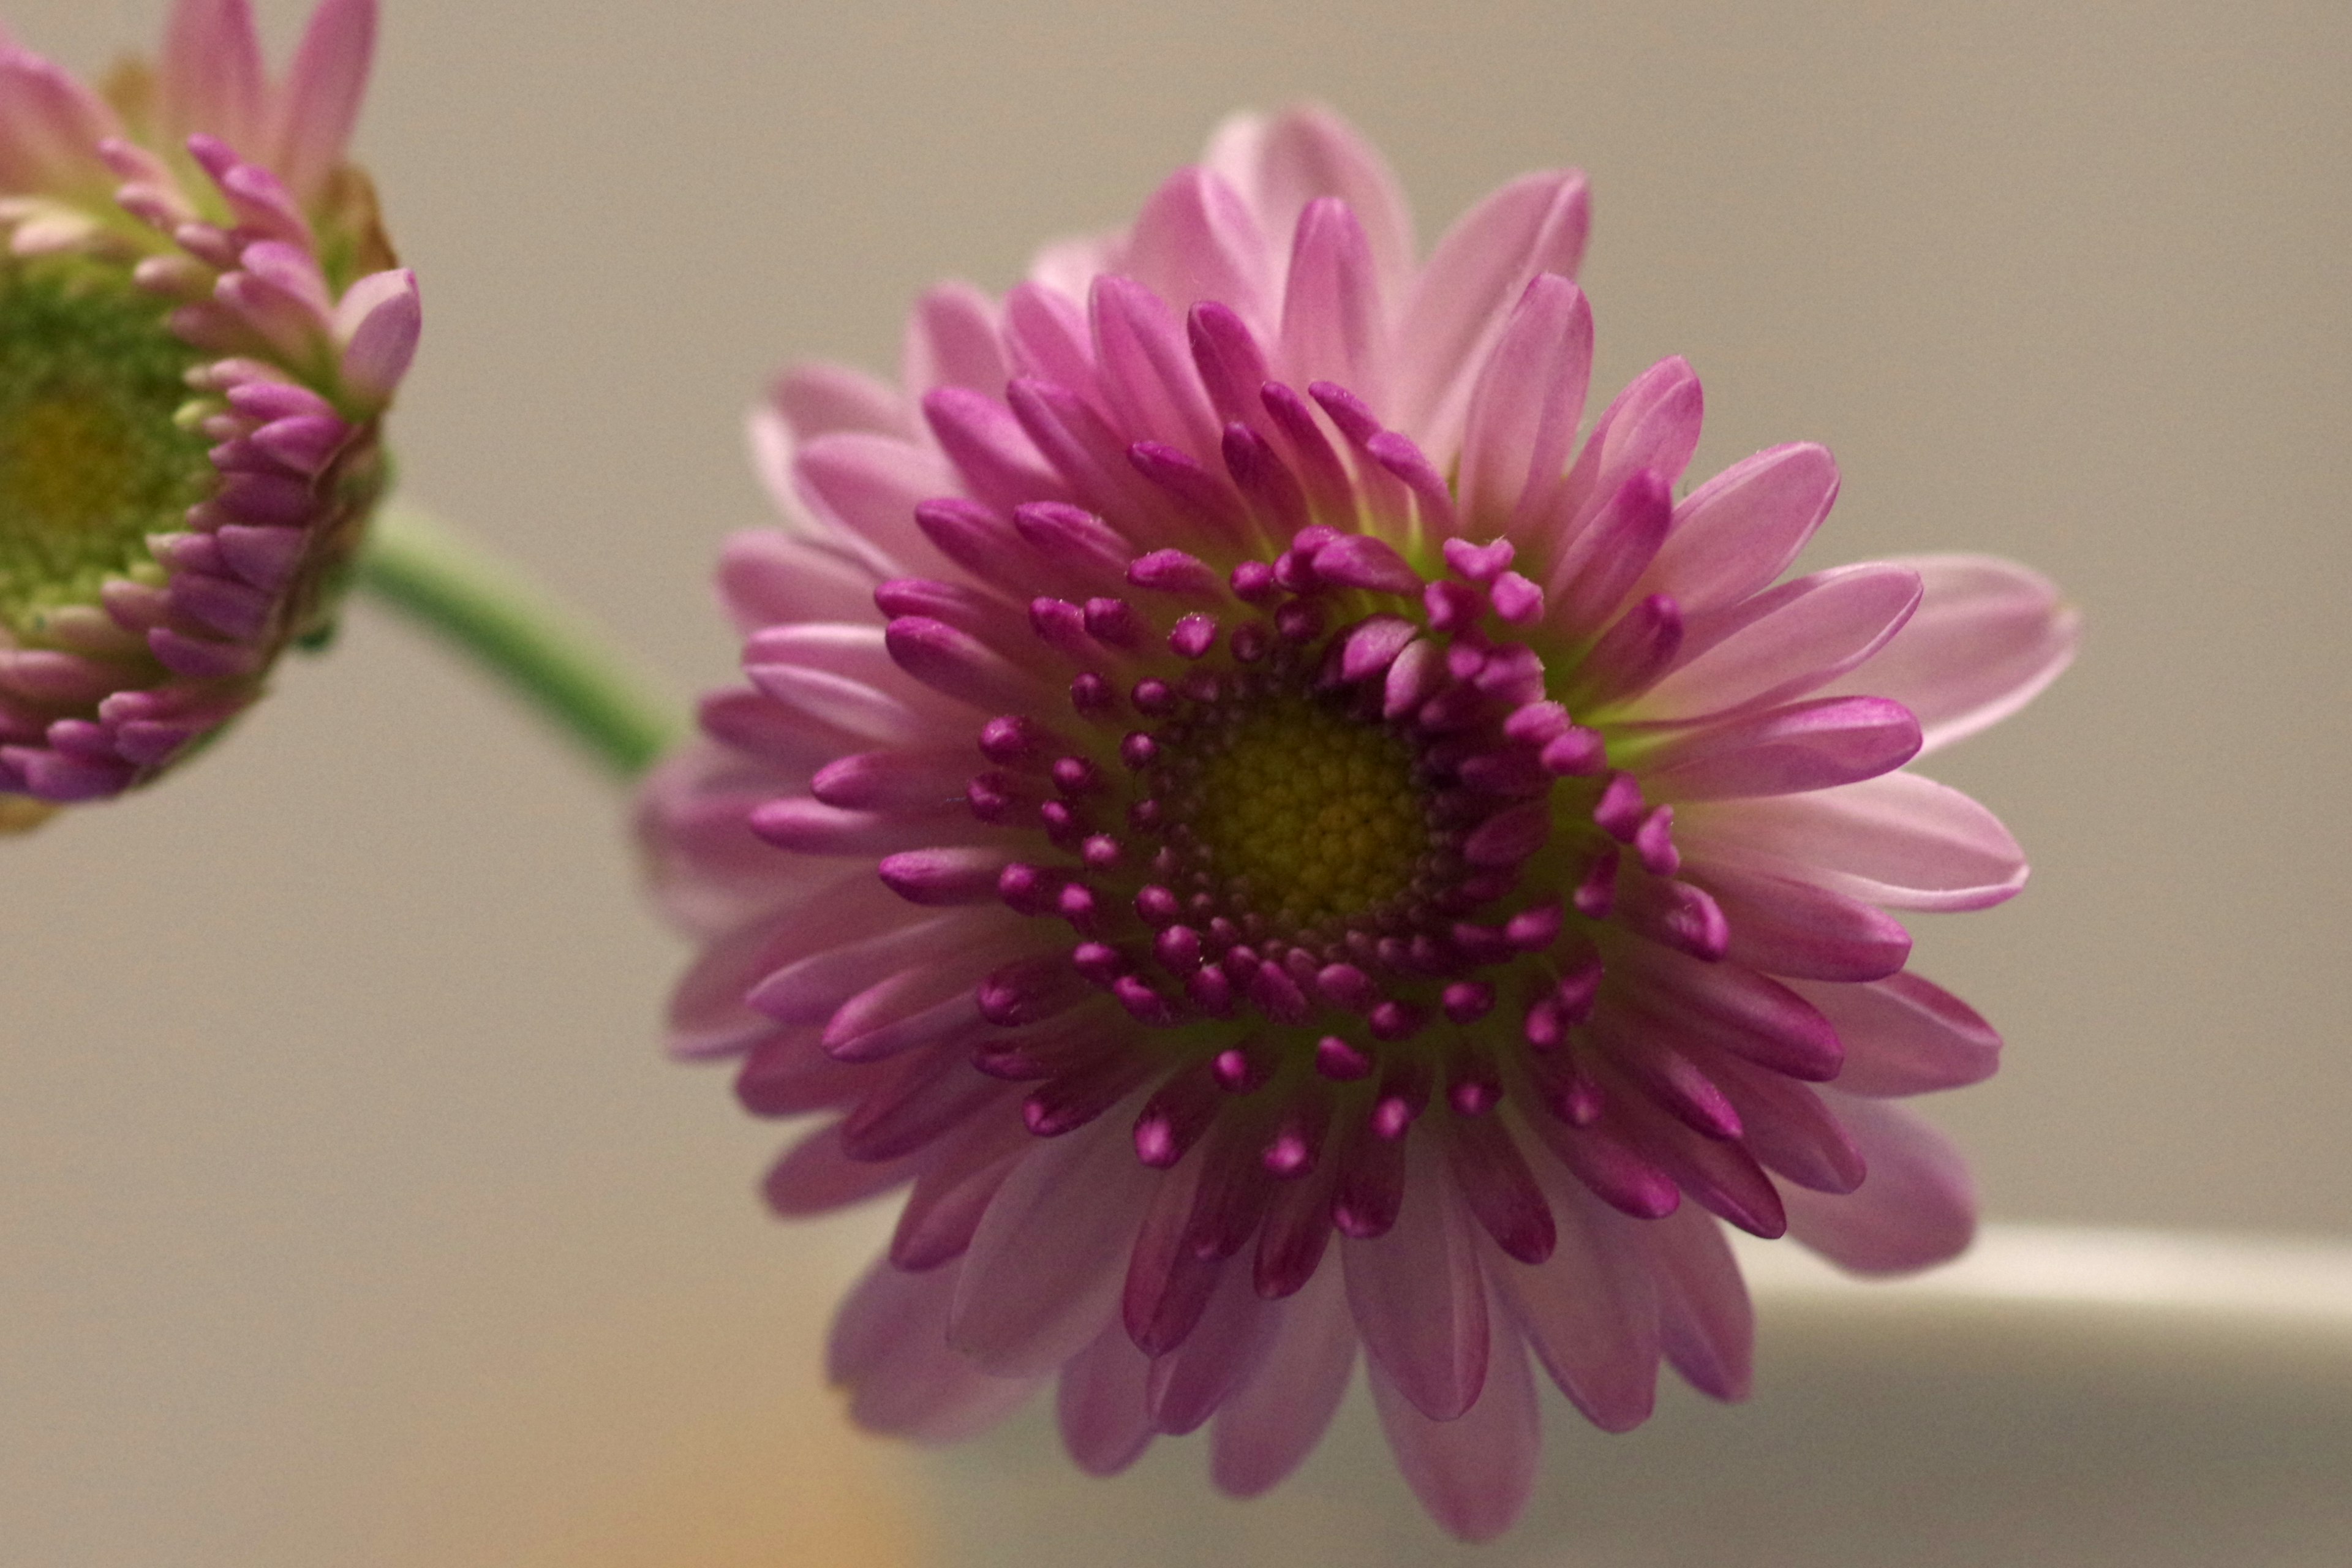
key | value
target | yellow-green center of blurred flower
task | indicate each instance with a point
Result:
(91, 460)
(1319, 809)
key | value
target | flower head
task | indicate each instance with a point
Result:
(1288, 839)
(200, 325)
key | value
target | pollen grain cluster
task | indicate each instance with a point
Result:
(1317, 813)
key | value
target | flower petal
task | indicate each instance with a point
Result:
(1905, 1036)
(1917, 1208)
(1280, 164)
(889, 1345)
(1418, 1295)
(1809, 745)
(1268, 1424)
(1197, 239)
(1739, 532)
(1989, 634)
(1043, 1272)
(1526, 406)
(210, 75)
(1787, 642)
(1474, 1473)
(1536, 223)
(320, 101)
(1898, 839)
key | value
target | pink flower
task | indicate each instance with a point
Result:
(202, 326)
(1225, 767)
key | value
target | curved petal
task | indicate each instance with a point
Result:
(1785, 642)
(1536, 223)
(1706, 1321)
(869, 486)
(1905, 1036)
(889, 1346)
(1418, 1294)
(210, 75)
(1898, 839)
(1282, 164)
(1270, 1423)
(1332, 306)
(1474, 1473)
(1527, 404)
(1917, 1208)
(1740, 530)
(1989, 634)
(1809, 745)
(1590, 1311)
(320, 101)
(1105, 1418)
(1197, 239)
(953, 341)
(1043, 1275)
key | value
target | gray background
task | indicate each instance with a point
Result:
(347, 1212)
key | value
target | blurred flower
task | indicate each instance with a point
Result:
(201, 324)
(1225, 766)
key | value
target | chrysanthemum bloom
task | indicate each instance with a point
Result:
(1224, 766)
(200, 328)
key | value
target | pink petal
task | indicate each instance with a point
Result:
(1809, 745)
(1281, 164)
(869, 486)
(815, 400)
(1267, 1425)
(889, 1345)
(1898, 839)
(1419, 1297)
(1189, 1383)
(50, 126)
(1785, 926)
(1653, 424)
(819, 1175)
(1905, 1036)
(952, 341)
(210, 75)
(1988, 637)
(1595, 574)
(1917, 1208)
(1526, 406)
(768, 577)
(1196, 239)
(1474, 1474)
(1148, 378)
(1787, 1127)
(1739, 532)
(1535, 225)
(378, 323)
(1043, 1272)
(1787, 642)
(1589, 1312)
(1331, 322)
(320, 102)
(1106, 1425)
(1706, 1324)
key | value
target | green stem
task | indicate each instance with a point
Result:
(545, 652)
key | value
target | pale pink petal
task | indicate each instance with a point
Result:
(1789, 1129)
(210, 75)
(1474, 1474)
(1785, 642)
(1148, 383)
(320, 101)
(1264, 1430)
(1988, 637)
(1280, 164)
(1593, 578)
(1653, 424)
(1191, 1381)
(1418, 1294)
(378, 321)
(1898, 839)
(1737, 532)
(50, 126)
(953, 341)
(1917, 1208)
(1905, 1036)
(1707, 1323)
(1785, 926)
(1590, 1311)
(1042, 1276)
(889, 1346)
(1809, 745)
(1331, 326)
(1535, 225)
(1100, 1403)
(1526, 406)
(869, 486)
(768, 577)
(1068, 267)
(815, 400)
(1196, 239)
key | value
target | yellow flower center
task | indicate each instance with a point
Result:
(91, 460)
(1312, 816)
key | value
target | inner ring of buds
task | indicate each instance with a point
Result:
(1313, 807)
